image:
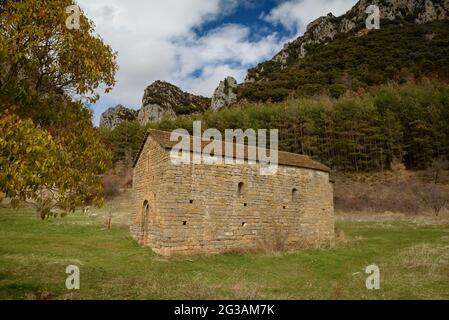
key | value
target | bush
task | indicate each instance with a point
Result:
(337, 90)
(399, 191)
(279, 94)
(311, 90)
(111, 185)
(378, 198)
(434, 196)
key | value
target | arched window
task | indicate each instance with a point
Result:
(241, 189)
(295, 195)
(147, 209)
(144, 221)
(145, 212)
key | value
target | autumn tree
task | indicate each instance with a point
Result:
(49, 151)
(47, 56)
(27, 158)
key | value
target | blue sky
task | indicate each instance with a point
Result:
(195, 43)
(249, 14)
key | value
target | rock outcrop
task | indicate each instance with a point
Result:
(225, 94)
(162, 99)
(112, 117)
(154, 113)
(325, 29)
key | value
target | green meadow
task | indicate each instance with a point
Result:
(413, 257)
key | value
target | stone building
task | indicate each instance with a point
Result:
(212, 209)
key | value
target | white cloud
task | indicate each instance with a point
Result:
(222, 52)
(295, 15)
(146, 35)
(155, 40)
(211, 77)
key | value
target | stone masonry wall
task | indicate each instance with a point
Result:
(197, 209)
(148, 183)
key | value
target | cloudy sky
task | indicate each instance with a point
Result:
(195, 43)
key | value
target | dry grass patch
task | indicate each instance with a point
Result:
(431, 259)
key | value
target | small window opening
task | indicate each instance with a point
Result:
(284, 207)
(241, 189)
(295, 195)
(191, 201)
(184, 223)
(245, 204)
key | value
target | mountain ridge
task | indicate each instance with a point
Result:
(325, 28)
(160, 100)
(302, 68)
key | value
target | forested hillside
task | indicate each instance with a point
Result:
(353, 98)
(408, 123)
(398, 52)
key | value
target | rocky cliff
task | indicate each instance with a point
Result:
(161, 99)
(325, 29)
(225, 94)
(112, 117)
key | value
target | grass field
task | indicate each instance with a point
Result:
(413, 258)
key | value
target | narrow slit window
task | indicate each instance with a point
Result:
(295, 195)
(241, 189)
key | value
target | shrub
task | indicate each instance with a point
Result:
(111, 184)
(337, 90)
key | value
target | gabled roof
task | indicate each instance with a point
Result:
(284, 158)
